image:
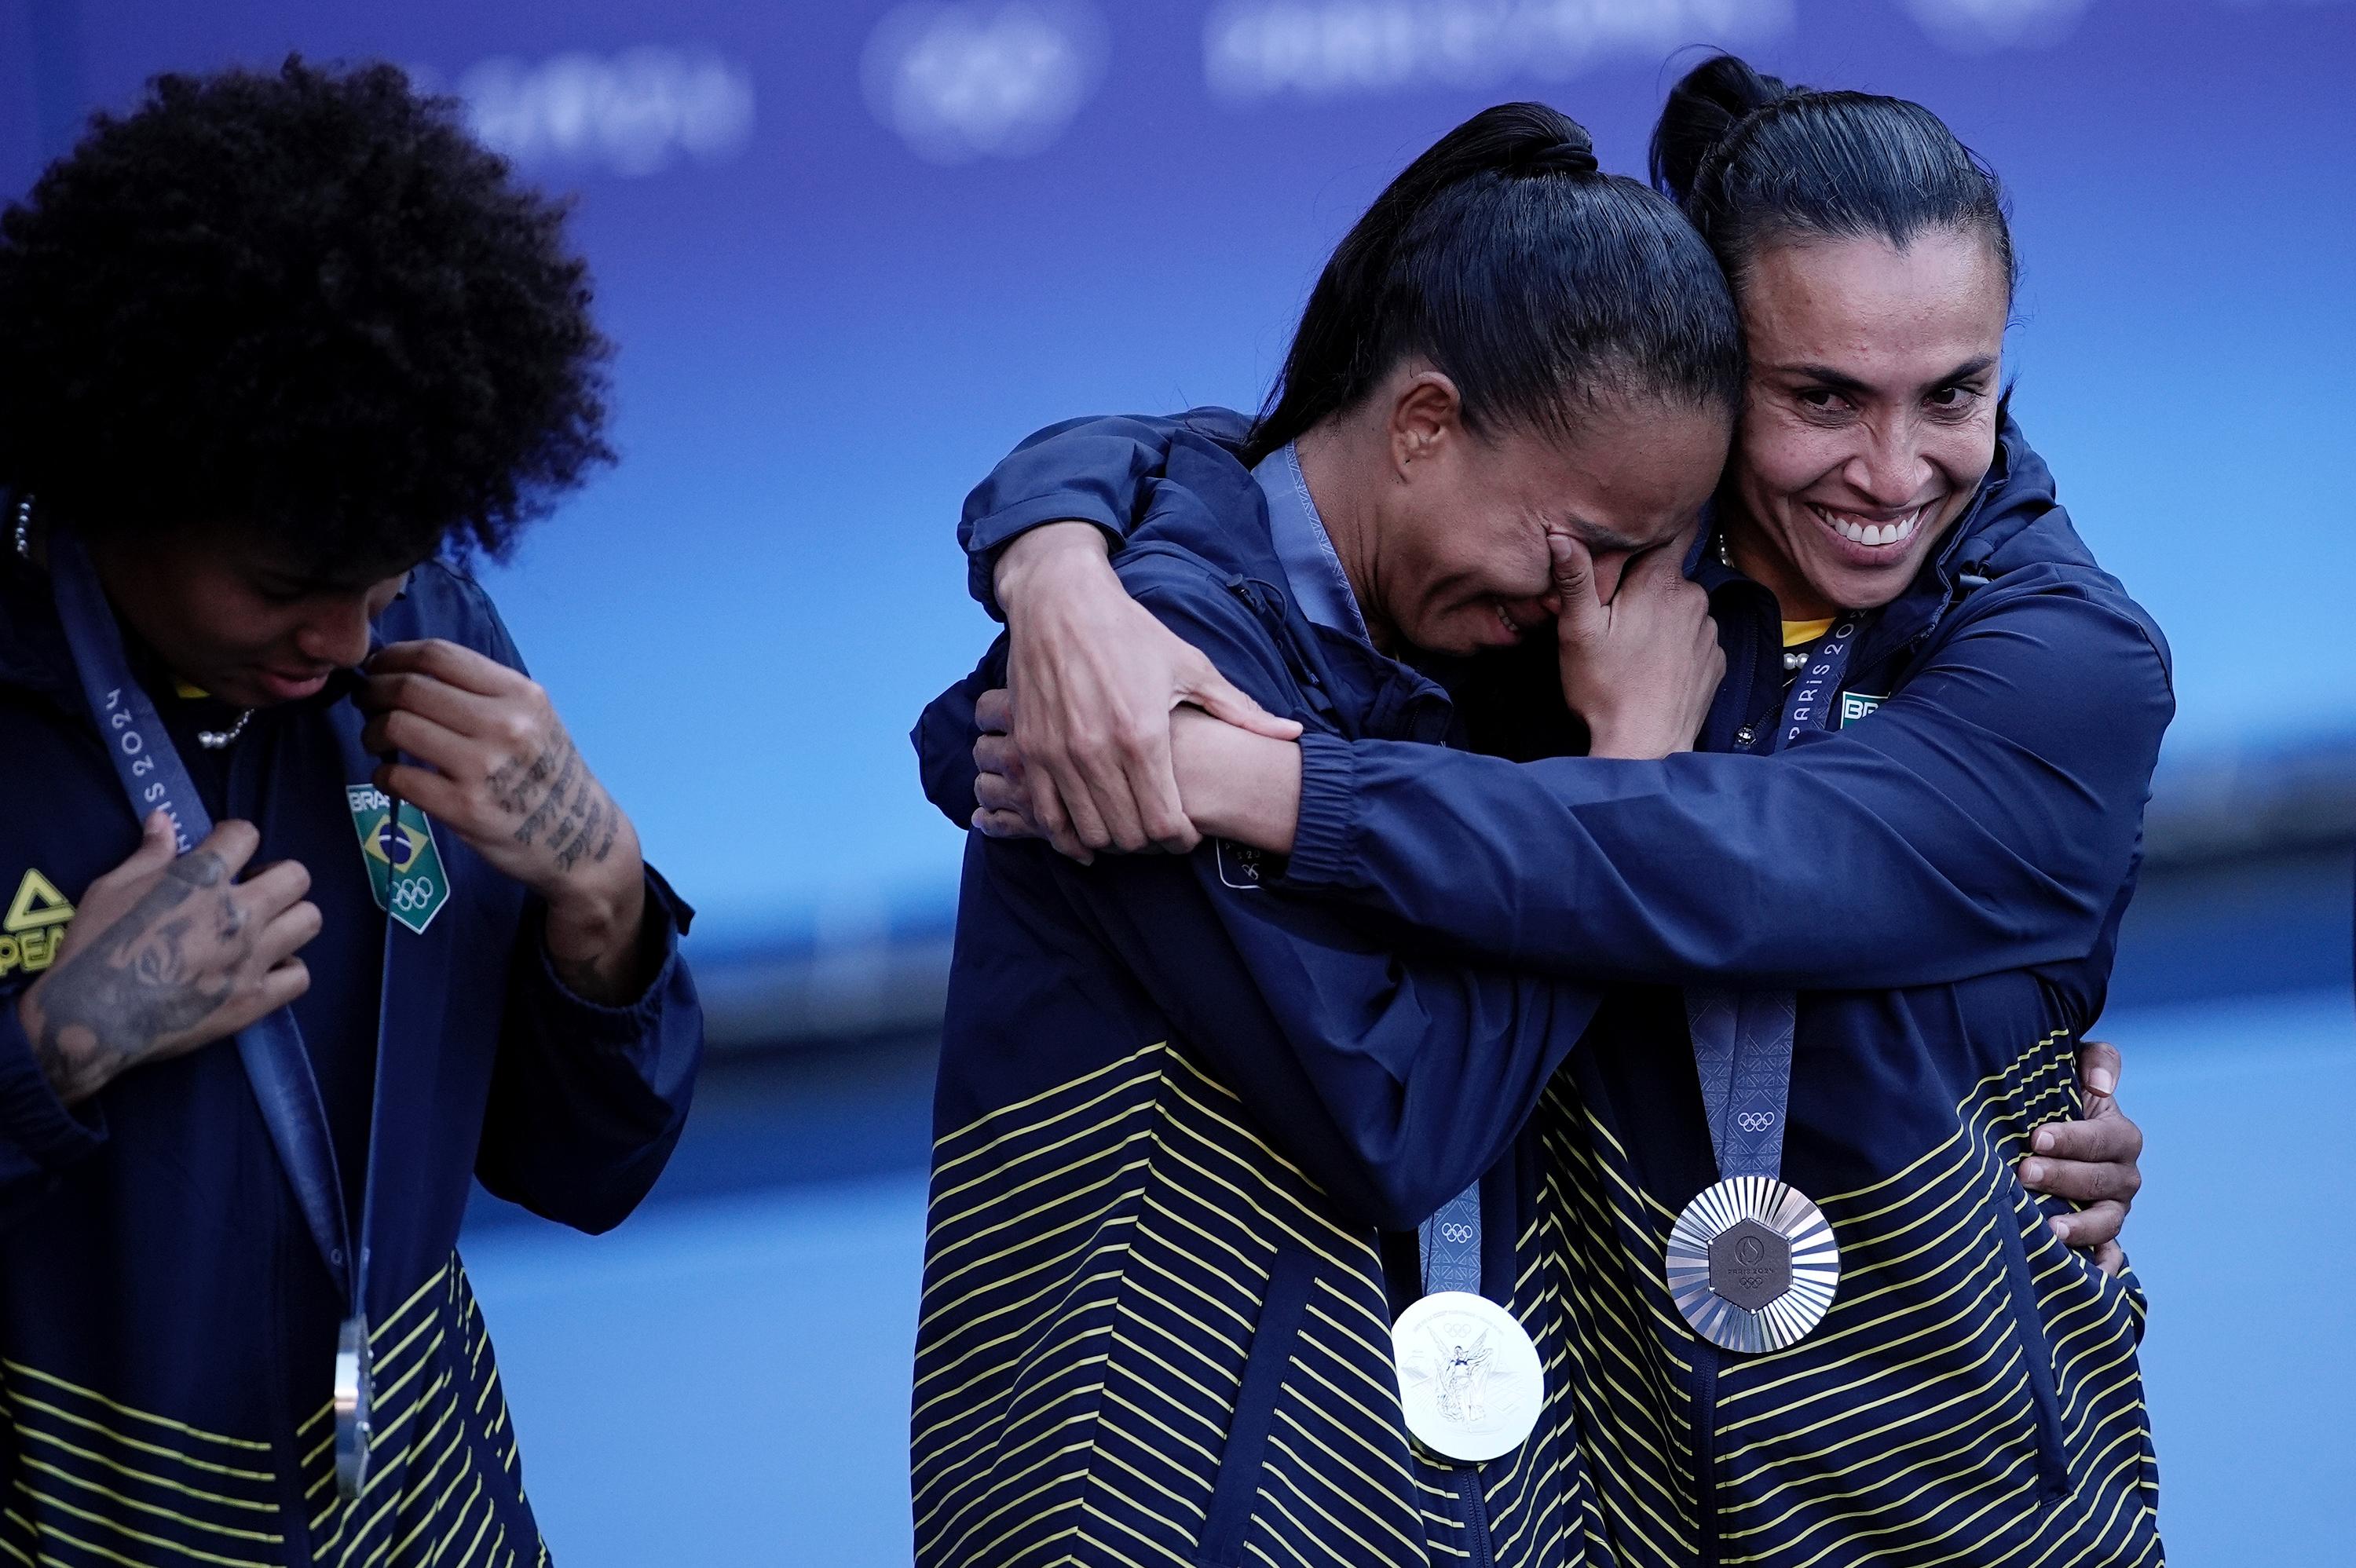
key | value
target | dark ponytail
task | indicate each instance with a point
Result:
(1525, 275)
(1750, 158)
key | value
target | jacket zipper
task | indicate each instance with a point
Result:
(1741, 678)
(2036, 1349)
(1476, 1509)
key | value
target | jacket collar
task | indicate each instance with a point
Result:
(1369, 693)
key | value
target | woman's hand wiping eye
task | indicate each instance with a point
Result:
(1641, 669)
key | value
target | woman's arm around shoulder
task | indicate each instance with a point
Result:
(1983, 819)
(1095, 678)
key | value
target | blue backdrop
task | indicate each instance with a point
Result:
(852, 252)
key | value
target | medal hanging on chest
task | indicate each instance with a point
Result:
(355, 1398)
(1470, 1384)
(271, 1047)
(1750, 1262)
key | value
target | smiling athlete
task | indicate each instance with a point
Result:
(1855, 937)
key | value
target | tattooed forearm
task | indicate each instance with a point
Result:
(617, 973)
(606, 983)
(134, 988)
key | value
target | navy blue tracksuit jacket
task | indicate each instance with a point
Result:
(1942, 878)
(168, 1330)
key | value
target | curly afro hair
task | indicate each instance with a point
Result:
(307, 306)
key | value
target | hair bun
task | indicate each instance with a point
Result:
(1702, 110)
(1568, 156)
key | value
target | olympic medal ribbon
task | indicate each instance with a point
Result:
(1750, 1262)
(271, 1047)
(1471, 1381)
(1450, 1242)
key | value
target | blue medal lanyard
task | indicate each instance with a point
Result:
(1743, 1039)
(1450, 1240)
(271, 1049)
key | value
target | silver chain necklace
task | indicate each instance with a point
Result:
(222, 740)
(211, 740)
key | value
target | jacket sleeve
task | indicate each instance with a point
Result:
(944, 738)
(587, 1100)
(1982, 819)
(40, 1136)
(1085, 470)
(1394, 1078)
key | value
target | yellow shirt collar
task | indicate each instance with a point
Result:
(1799, 633)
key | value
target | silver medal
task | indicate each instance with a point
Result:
(1753, 1264)
(353, 1417)
(1470, 1383)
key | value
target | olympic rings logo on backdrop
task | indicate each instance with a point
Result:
(1976, 27)
(410, 894)
(1457, 1232)
(998, 78)
(1755, 1121)
(635, 113)
(1259, 49)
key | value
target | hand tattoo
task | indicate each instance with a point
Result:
(557, 796)
(523, 789)
(136, 988)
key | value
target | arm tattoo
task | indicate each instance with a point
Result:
(137, 988)
(591, 984)
(557, 796)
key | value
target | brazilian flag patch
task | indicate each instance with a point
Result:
(404, 867)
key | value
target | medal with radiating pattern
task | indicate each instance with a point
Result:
(1751, 1264)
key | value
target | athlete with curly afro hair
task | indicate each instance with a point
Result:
(318, 911)
(308, 303)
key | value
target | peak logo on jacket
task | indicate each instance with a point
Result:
(35, 925)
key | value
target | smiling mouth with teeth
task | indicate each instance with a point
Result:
(1513, 628)
(1858, 530)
